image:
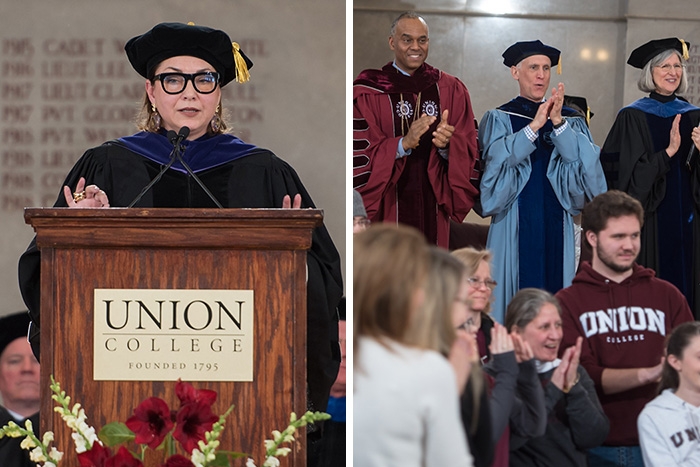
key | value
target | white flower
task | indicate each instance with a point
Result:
(27, 443)
(49, 464)
(80, 443)
(48, 437)
(37, 455)
(54, 455)
(198, 458)
(272, 462)
(250, 463)
(28, 425)
(269, 444)
(283, 452)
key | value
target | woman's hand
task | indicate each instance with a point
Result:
(675, 137)
(565, 376)
(287, 202)
(695, 135)
(501, 342)
(523, 351)
(85, 197)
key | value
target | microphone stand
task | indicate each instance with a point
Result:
(196, 178)
(175, 139)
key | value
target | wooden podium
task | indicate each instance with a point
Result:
(263, 250)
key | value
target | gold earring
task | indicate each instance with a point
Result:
(215, 123)
(155, 119)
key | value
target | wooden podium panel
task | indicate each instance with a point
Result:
(242, 249)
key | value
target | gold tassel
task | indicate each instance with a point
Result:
(686, 55)
(242, 73)
(559, 65)
(588, 116)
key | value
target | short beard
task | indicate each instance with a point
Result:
(612, 265)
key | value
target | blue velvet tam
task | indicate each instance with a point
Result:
(521, 50)
(642, 54)
(168, 40)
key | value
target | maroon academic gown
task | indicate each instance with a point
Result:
(422, 189)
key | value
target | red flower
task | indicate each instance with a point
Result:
(95, 457)
(100, 456)
(123, 458)
(150, 422)
(188, 394)
(177, 461)
(193, 420)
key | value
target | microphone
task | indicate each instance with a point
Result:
(176, 140)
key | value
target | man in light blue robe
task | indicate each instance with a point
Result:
(541, 165)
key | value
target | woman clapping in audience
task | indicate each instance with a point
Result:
(576, 421)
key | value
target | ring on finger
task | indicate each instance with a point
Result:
(78, 196)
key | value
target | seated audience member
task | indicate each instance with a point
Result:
(527, 412)
(405, 405)
(669, 426)
(359, 214)
(623, 313)
(19, 386)
(481, 285)
(576, 420)
(447, 288)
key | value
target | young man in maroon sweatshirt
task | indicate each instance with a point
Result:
(624, 314)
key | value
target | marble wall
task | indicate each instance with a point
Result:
(66, 85)
(467, 38)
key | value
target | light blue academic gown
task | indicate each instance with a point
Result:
(574, 172)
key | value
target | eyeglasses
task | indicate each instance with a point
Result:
(668, 67)
(175, 83)
(361, 222)
(490, 283)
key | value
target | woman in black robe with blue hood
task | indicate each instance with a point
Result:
(650, 155)
(185, 67)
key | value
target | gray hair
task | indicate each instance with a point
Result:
(410, 15)
(526, 305)
(646, 79)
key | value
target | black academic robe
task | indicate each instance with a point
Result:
(11, 454)
(634, 160)
(251, 179)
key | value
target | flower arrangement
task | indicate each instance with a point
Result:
(153, 425)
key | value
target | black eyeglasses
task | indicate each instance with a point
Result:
(175, 83)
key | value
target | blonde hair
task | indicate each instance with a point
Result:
(442, 286)
(433, 326)
(389, 270)
(472, 258)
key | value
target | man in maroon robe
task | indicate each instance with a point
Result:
(414, 138)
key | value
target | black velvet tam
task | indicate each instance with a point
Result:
(12, 327)
(642, 54)
(168, 40)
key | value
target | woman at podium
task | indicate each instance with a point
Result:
(184, 156)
